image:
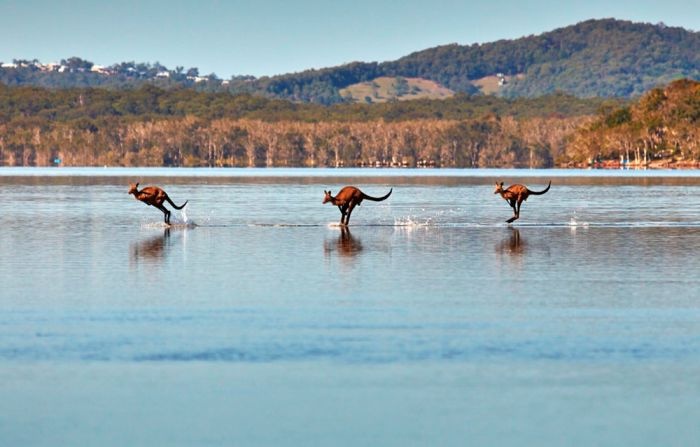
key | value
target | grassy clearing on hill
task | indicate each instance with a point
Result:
(491, 85)
(386, 88)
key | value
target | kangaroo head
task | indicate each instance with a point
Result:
(327, 196)
(133, 188)
(499, 188)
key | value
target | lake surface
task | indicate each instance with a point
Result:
(256, 320)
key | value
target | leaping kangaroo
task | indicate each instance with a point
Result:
(347, 199)
(154, 196)
(515, 195)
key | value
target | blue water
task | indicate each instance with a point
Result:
(256, 320)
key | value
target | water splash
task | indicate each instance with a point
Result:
(183, 215)
(151, 225)
(413, 222)
(175, 221)
(574, 223)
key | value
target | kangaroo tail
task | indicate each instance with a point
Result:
(537, 193)
(173, 203)
(378, 199)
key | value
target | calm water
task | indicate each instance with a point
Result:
(429, 322)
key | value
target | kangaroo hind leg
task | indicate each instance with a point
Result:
(520, 202)
(166, 214)
(347, 215)
(343, 213)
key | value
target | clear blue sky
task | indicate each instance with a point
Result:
(268, 37)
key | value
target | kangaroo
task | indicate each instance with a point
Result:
(347, 199)
(154, 196)
(515, 195)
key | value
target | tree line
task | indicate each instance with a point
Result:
(155, 127)
(150, 126)
(662, 128)
(95, 106)
(227, 142)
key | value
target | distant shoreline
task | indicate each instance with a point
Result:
(333, 177)
(666, 163)
(604, 165)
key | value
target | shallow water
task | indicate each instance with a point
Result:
(256, 320)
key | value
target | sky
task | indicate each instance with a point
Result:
(269, 37)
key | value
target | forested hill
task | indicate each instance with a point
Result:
(604, 58)
(593, 58)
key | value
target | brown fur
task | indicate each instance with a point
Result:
(154, 196)
(515, 195)
(347, 199)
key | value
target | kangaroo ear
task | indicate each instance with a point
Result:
(137, 184)
(501, 184)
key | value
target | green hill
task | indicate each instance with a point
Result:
(595, 58)
(605, 58)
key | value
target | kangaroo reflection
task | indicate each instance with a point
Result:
(347, 245)
(151, 250)
(513, 245)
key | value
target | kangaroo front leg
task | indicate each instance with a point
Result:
(515, 212)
